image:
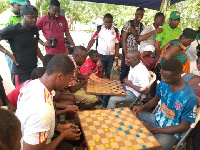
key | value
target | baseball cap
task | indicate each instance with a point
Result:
(149, 48)
(175, 15)
(27, 9)
(21, 2)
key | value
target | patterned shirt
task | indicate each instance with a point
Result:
(150, 60)
(131, 41)
(175, 106)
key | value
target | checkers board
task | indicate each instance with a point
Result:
(115, 129)
(105, 87)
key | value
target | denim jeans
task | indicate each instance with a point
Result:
(10, 62)
(105, 99)
(107, 63)
(114, 100)
(167, 141)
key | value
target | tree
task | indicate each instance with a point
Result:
(4, 5)
(87, 12)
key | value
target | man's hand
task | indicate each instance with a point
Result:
(94, 77)
(158, 30)
(72, 109)
(137, 108)
(71, 134)
(127, 82)
(150, 128)
(62, 127)
(47, 43)
(12, 57)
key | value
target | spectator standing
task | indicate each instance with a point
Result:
(170, 32)
(130, 33)
(53, 27)
(23, 38)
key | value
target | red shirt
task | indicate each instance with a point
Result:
(58, 27)
(13, 96)
(88, 67)
(150, 60)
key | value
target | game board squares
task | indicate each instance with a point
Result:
(127, 143)
(140, 141)
(99, 131)
(114, 145)
(121, 144)
(107, 121)
(112, 129)
(105, 140)
(92, 128)
(95, 137)
(88, 119)
(96, 123)
(100, 147)
(87, 133)
(90, 138)
(91, 142)
(149, 144)
(118, 138)
(104, 126)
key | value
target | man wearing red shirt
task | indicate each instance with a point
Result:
(54, 26)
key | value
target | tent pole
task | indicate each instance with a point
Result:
(162, 4)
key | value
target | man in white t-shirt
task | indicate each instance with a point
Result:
(108, 43)
(138, 78)
(36, 110)
(148, 35)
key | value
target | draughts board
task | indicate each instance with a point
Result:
(115, 129)
(105, 87)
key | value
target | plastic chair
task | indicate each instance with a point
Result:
(140, 98)
(192, 126)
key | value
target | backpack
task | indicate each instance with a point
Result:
(99, 29)
(132, 25)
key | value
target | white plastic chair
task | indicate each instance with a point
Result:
(152, 78)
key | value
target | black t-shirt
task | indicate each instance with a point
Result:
(23, 44)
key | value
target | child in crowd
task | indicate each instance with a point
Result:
(92, 65)
(146, 57)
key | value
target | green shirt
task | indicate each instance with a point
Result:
(14, 20)
(168, 34)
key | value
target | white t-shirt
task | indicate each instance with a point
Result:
(36, 113)
(148, 41)
(139, 76)
(106, 40)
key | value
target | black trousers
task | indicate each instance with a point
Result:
(124, 68)
(18, 79)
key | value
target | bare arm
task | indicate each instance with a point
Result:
(146, 36)
(69, 38)
(157, 48)
(90, 44)
(183, 127)
(124, 39)
(39, 54)
(3, 50)
(171, 52)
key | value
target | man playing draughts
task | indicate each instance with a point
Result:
(137, 79)
(177, 110)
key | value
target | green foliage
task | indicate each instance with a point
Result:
(4, 5)
(87, 12)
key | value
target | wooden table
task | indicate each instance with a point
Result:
(115, 129)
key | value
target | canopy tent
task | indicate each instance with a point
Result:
(151, 4)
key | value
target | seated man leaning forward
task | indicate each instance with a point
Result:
(35, 108)
(178, 106)
(138, 78)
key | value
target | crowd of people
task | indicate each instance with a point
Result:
(46, 99)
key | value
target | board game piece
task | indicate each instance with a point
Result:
(112, 109)
(144, 146)
(72, 127)
(119, 112)
(122, 108)
(130, 127)
(121, 123)
(111, 134)
(127, 132)
(120, 128)
(105, 87)
(137, 135)
(116, 116)
(140, 130)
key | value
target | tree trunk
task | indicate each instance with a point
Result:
(41, 8)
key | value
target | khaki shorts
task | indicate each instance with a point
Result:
(82, 97)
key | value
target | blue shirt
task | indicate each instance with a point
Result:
(175, 107)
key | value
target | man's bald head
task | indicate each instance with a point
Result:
(132, 58)
(80, 55)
